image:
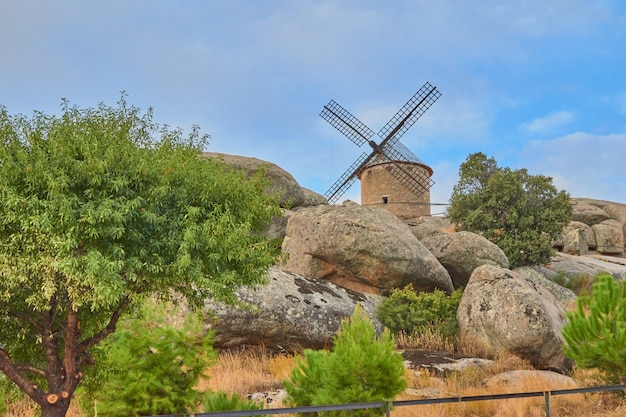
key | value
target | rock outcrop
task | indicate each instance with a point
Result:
(428, 226)
(291, 312)
(281, 182)
(597, 226)
(311, 199)
(540, 380)
(502, 311)
(571, 266)
(462, 252)
(361, 248)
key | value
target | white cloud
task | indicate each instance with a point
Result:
(549, 122)
(583, 164)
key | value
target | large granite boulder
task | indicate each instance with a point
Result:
(572, 266)
(362, 248)
(311, 199)
(462, 252)
(428, 226)
(535, 277)
(607, 221)
(524, 378)
(281, 182)
(585, 212)
(291, 312)
(502, 311)
(609, 236)
(576, 239)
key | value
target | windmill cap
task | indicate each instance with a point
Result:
(406, 155)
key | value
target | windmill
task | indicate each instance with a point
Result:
(391, 175)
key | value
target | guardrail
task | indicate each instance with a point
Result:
(388, 405)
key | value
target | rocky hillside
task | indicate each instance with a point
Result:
(345, 254)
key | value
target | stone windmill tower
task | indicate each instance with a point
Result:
(392, 177)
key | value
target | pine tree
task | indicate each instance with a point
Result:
(595, 333)
(362, 367)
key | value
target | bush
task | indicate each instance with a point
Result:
(521, 213)
(221, 401)
(362, 367)
(579, 284)
(154, 366)
(405, 311)
(595, 333)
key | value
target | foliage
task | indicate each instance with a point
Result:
(522, 213)
(595, 333)
(405, 311)
(100, 208)
(579, 284)
(362, 367)
(153, 366)
(222, 401)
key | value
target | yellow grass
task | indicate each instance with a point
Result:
(257, 370)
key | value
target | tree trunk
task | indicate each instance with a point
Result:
(58, 409)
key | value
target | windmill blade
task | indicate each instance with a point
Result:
(343, 121)
(409, 114)
(417, 181)
(344, 182)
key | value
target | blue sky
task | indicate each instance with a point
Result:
(536, 84)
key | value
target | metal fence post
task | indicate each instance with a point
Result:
(388, 408)
(547, 397)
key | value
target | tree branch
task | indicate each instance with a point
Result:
(31, 369)
(14, 374)
(109, 329)
(28, 319)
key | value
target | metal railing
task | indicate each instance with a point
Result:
(388, 405)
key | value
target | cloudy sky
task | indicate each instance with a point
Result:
(536, 84)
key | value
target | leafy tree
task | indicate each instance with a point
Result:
(153, 366)
(362, 367)
(595, 333)
(522, 213)
(405, 311)
(100, 208)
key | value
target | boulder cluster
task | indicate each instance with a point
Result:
(341, 255)
(597, 227)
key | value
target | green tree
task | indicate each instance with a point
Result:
(362, 367)
(521, 213)
(595, 333)
(153, 365)
(100, 208)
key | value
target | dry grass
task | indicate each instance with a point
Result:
(427, 340)
(257, 370)
(471, 381)
(247, 371)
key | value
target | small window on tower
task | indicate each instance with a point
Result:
(385, 200)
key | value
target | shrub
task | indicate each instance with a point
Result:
(362, 367)
(405, 311)
(595, 333)
(521, 213)
(221, 401)
(154, 366)
(579, 284)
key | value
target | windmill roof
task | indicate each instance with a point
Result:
(398, 148)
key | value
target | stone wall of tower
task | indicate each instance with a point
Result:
(380, 189)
